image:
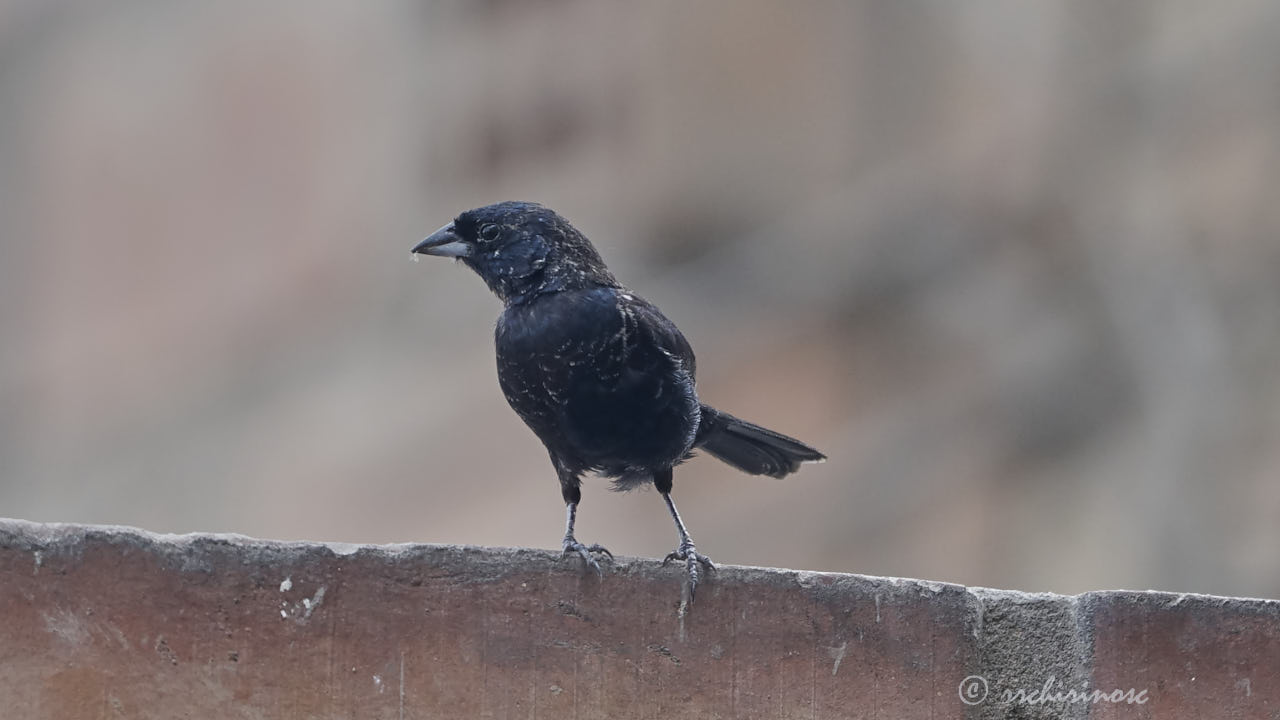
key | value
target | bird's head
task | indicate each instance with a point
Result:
(521, 250)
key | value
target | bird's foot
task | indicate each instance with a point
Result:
(572, 546)
(692, 559)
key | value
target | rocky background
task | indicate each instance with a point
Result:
(1015, 267)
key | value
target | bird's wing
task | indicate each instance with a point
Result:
(654, 328)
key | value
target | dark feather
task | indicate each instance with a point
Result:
(751, 448)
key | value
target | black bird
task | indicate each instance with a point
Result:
(597, 372)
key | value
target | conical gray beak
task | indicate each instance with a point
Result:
(444, 243)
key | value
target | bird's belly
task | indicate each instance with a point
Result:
(610, 422)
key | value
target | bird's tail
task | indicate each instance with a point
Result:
(751, 448)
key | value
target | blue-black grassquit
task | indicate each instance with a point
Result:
(602, 377)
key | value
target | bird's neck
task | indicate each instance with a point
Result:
(560, 274)
(554, 289)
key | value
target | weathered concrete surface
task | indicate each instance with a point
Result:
(103, 622)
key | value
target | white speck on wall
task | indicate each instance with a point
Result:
(287, 585)
(39, 561)
(877, 608)
(377, 682)
(310, 604)
(301, 610)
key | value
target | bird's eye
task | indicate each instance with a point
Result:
(490, 232)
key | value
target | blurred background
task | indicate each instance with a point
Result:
(1014, 266)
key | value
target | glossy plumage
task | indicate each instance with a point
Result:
(598, 373)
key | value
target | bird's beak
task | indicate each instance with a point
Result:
(443, 242)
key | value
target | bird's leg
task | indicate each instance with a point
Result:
(686, 551)
(572, 494)
(571, 544)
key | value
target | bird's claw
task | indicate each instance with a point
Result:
(692, 559)
(572, 546)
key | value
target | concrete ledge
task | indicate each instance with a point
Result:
(105, 622)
